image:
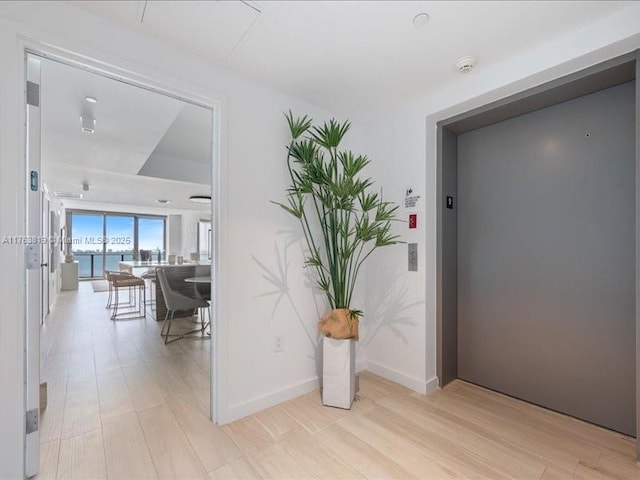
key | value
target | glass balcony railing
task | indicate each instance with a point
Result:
(93, 264)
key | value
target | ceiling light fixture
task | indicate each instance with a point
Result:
(91, 99)
(420, 20)
(88, 124)
(466, 63)
(200, 199)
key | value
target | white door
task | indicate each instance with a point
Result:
(34, 268)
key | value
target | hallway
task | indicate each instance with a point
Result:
(113, 384)
(123, 405)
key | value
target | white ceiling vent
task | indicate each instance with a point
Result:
(76, 196)
(466, 63)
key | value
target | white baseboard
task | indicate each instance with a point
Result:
(263, 402)
(361, 365)
(237, 412)
(415, 384)
(431, 386)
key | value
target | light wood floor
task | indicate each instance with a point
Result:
(122, 405)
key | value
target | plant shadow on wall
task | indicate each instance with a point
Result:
(278, 278)
(388, 308)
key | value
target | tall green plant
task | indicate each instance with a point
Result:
(326, 191)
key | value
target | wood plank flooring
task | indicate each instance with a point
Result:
(124, 406)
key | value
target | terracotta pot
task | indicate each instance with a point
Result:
(338, 324)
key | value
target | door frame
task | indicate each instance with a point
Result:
(603, 75)
(162, 84)
(33, 298)
(46, 256)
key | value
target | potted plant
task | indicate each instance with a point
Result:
(343, 223)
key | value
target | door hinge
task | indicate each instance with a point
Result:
(33, 94)
(32, 421)
(32, 257)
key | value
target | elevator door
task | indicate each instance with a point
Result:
(546, 257)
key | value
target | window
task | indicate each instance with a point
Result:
(100, 240)
(119, 241)
(151, 234)
(86, 242)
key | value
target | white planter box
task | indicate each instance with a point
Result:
(338, 372)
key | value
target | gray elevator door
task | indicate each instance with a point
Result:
(546, 257)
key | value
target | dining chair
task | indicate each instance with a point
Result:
(175, 302)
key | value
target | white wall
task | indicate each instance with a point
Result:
(403, 141)
(174, 234)
(190, 231)
(262, 285)
(395, 298)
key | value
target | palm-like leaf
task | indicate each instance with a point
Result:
(297, 126)
(330, 134)
(351, 222)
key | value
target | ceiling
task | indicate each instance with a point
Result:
(122, 189)
(187, 143)
(347, 54)
(145, 147)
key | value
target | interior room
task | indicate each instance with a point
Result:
(126, 178)
(319, 239)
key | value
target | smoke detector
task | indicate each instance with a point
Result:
(466, 63)
(420, 20)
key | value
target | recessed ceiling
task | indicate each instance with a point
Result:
(184, 153)
(348, 54)
(134, 129)
(129, 121)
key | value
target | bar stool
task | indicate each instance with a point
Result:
(150, 276)
(135, 285)
(110, 276)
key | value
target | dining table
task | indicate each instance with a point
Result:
(202, 279)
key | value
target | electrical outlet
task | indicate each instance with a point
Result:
(278, 346)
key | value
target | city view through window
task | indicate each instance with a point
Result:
(99, 241)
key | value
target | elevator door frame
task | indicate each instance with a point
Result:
(607, 74)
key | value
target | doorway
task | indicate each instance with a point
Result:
(141, 187)
(512, 265)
